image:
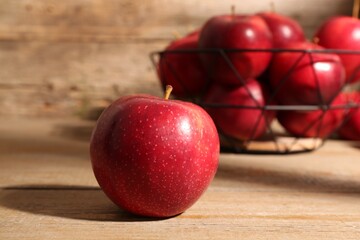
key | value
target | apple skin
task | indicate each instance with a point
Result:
(284, 30)
(343, 32)
(231, 32)
(240, 123)
(183, 71)
(154, 157)
(302, 86)
(351, 128)
(310, 123)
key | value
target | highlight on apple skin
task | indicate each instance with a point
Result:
(235, 32)
(343, 32)
(284, 30)
(306, 78)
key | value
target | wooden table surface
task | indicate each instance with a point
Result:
(48, 191)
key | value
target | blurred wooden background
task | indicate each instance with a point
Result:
(61, 58)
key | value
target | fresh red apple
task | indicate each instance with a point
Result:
(152, 156)
(237, 111)
(284, 30)
(300, 78)
(350, 130)
(316, 123)
(235, 32)
(180, 67)
(343, 32)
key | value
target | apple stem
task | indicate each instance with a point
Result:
(176, 35)
(356, 7)
(168, 90)
(190, 28)
(233, 11)
(316, 40)
(272, 7)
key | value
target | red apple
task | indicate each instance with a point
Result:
(152, 156)
(181, 68)
(343, 32)
(242, 118)
(316, 123)
(235, 32)
(351, 127)
(306, 78)
(284, 30)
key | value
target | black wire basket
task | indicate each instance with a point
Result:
(275, 139)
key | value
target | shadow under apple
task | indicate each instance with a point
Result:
(74, 202)
(310, 182)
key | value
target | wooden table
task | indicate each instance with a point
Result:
(48, 191)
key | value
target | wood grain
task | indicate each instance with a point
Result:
(94, 20)
(61, 58)
(47, 190)
(50, 79)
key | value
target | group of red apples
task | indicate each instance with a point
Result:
(155, 157)
(237, 66)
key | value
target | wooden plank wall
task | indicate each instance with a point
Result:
(60, 58)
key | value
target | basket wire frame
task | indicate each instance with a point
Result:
(239, 146)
